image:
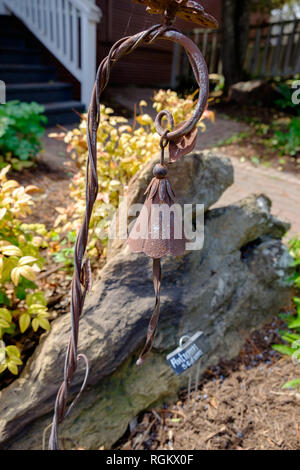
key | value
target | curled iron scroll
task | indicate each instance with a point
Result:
(201, 75)
(81, 278)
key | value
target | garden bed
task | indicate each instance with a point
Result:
(259, 143)
(239, 406)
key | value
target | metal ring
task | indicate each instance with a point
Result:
(159, 118)
(164, 140)
(183, 338)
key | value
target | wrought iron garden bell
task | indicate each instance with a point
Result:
(147, 236)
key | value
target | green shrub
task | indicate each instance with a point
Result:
(291, 337)
(21, 129)
(22, 305)
(287, 140)
(287, 136)
(286, 102)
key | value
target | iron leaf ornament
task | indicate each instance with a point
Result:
(148, 236)
(190, 10)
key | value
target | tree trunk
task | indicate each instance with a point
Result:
(235, 28)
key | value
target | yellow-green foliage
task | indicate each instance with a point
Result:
(9, 358)
(21, 304)
(181, 108)
(122, 151)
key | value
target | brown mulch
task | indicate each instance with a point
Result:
(248, 410)
(52, 174)
(252, 150)
(55, 192)
(239, 405)
(251, 146)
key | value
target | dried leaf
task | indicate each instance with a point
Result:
(26, 260)
(213, 403)
(33, 189)
(11, 250)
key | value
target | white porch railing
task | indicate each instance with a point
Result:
(68, 28)
(3, 10)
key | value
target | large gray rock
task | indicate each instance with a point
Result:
(235, 283)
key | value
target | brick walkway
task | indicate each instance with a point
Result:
(282, 188)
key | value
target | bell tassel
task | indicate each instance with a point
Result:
(155, 316)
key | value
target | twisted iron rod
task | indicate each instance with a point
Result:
(82, 272)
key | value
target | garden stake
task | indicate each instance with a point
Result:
(181, 140)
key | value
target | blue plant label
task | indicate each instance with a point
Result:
(183, 357)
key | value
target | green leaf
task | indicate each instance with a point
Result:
(292, 384)
(72, 236)
(291, 337)
(24, 322)
(4, 323)
(16, 360)
(36, 298)
(20, 292)
(283, 349)
(286, 318)
(28, 284)
(44, 323)
(54, 236)
(5, 314)
(255, 160)
(35, 324)
(37, 309)
(12, 351)
(13, 368)
(4, 300)
(294, 324)
(296, 299)
(10, 330)
(3, 367)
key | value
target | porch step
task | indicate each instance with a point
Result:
(11, 38)
(19, 55)
(22, 59)
(63, 112)
(20, 73)
(40, 92)
(9, 22)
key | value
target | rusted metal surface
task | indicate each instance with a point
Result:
(155, 233)
(182, 145)
(201, 75)
(190, 10)
(159, 190)
(155, 316)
